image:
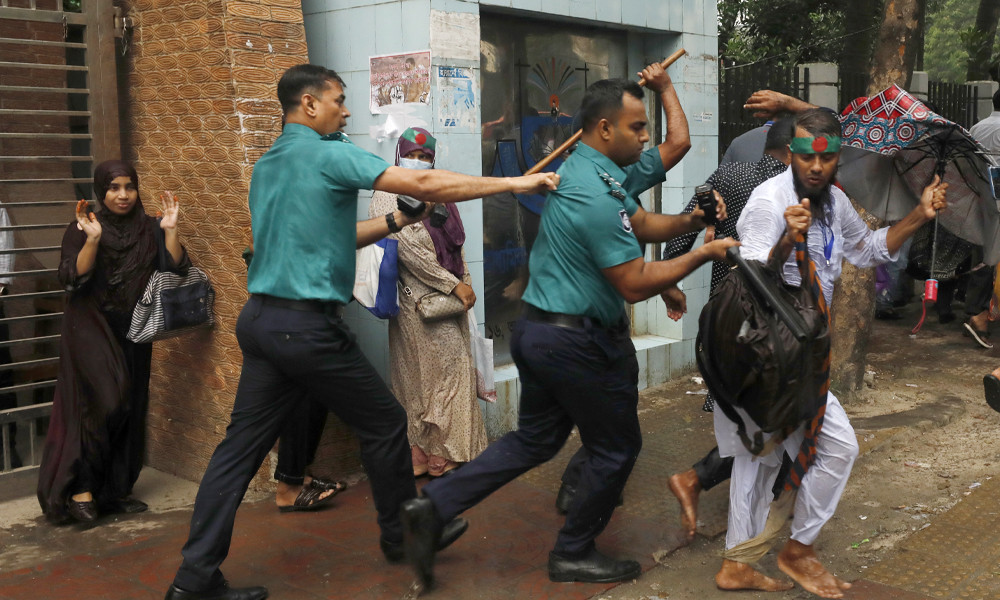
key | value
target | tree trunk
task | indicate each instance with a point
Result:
(857, 54)
(851, 315)
(981, 41)
(854, 296)
(896, 47)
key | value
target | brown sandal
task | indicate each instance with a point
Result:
(309, 498)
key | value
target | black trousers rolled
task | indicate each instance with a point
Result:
(586, 377)
(289, 355)
(299, 440)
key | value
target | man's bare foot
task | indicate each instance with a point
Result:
(286, 494)
(800, 562)
(687, 487)
(741, 576)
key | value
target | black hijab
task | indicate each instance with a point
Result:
(128, 242)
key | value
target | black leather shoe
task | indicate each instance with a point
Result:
(395, 552)
(565, 498)
(84, 512)
(421, 534)
(125, 506)
(223, 592)
(592, 568)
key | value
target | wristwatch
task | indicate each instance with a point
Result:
(391, 222)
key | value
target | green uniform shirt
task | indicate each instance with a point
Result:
(303, 208)
(585, 228)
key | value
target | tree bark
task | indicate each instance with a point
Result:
(853, 306)
(981, 44)
(857, 54)
(896, 47)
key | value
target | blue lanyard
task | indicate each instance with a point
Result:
(827, 244)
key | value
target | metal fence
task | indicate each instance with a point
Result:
(954, 101)
(58, 115)
(736, 84)
(852, 86)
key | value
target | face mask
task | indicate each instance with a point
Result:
(413, 163)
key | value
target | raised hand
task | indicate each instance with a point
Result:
(656, 77)
(798, 218)
(87, 222)
(171, 210)
(934, 198)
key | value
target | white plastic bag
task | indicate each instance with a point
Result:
(376, 276)
(482, 358)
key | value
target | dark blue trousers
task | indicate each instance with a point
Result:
(583, 377)
(288, 357)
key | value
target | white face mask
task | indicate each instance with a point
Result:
(414, 163)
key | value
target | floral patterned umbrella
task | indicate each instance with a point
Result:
(893, 145)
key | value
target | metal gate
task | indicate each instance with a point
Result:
(58, 117)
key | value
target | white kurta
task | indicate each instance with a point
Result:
(760, 226)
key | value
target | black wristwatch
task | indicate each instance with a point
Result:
(391, 222)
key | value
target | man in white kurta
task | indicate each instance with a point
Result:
(802, 200)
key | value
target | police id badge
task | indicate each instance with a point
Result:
(626, 223)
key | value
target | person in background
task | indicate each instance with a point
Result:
(97, 432)
(430, 362)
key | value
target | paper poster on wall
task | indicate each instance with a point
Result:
(399, 79)
(457, 92)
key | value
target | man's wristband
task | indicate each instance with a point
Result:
(391, 222)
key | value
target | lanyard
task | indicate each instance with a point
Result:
(827, 244)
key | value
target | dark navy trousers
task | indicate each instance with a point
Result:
(290, 356)
(585, 377)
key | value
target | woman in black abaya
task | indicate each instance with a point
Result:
(96, 437)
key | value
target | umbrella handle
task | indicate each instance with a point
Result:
(576, 136)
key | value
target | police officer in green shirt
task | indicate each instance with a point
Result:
(303, 207)
(572, 348)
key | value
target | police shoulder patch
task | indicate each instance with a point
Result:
(626, 223)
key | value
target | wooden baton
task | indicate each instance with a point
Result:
(576, 136)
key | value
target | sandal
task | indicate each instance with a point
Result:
(309, 498)
(982, 337)
(326, 484)
(991, 385)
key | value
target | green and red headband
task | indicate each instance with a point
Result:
(820, 144)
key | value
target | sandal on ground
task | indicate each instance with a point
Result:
(327, 484)
(981, 337)
(992, 387)
(442, 470)
(308, 499)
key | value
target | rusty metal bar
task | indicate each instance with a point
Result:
(44, 113)
(47, 90)
(21, 65)
(42, 16)
(62, 136)
(5, 40)
(34, 340)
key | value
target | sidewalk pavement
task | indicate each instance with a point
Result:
(334, 553)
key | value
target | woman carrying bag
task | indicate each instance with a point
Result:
(96, 437)
(437, 388)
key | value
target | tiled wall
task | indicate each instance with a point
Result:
(344, 34)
